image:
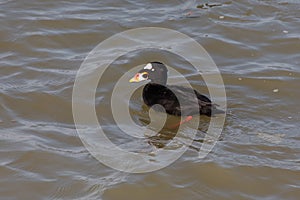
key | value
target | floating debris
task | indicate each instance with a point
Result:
(208, 5)
(276, 90)
(285, 31)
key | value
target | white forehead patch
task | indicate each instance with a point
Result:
(148, 66)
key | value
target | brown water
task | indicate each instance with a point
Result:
(254, 43)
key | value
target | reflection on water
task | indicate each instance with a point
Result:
(256, 47)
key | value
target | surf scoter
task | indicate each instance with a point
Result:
(158, 92)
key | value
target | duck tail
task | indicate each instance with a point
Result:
(215, 110)
(211, 110)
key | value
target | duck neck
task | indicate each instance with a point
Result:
(162, 81)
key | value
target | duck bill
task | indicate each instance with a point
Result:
(135, 79)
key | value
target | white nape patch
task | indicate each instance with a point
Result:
(148, 66)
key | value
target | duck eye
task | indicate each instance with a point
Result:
(145, 75)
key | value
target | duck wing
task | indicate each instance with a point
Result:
(189, 97)
(168, 96)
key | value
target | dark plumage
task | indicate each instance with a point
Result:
(157, 92)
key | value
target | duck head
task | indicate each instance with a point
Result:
(156, 72)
